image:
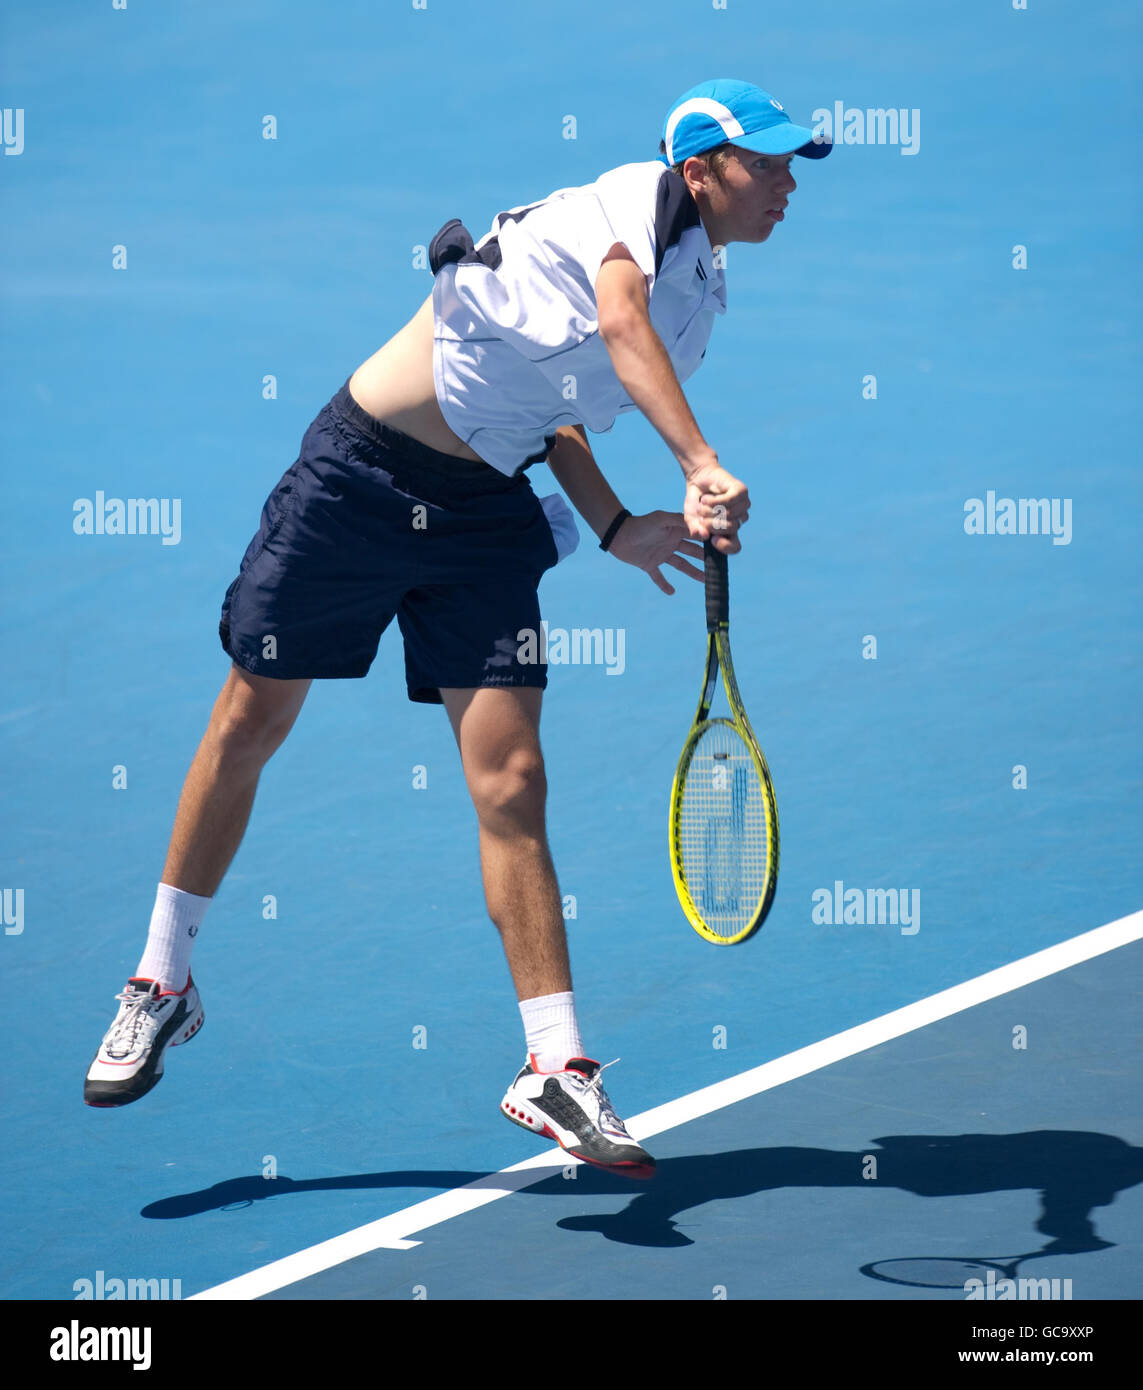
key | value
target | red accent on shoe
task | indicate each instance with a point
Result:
(536, 1067)
(641, 1171)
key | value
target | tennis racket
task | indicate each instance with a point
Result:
(941, 1272)
(723, 818)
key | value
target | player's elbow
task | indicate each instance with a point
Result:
(622, 323)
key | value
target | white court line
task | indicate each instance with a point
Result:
(393, 1232)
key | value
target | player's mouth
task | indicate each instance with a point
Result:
(778, 214)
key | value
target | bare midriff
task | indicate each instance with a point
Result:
(396, 386)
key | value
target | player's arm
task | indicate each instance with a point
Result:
(658, 538)
(714, 498)
(574, 467)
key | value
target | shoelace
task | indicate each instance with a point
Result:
(606, 1112)
(125, 1030)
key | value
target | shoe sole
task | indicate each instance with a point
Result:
(520, 1114)
(121, 1093)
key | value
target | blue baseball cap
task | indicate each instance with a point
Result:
(724, 110)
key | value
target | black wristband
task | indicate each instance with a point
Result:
(609, 534)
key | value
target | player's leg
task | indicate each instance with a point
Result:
(314, 592)
(483, 541)
(497, 731)
(558, 1092)
(160, 1006)
(251, 718)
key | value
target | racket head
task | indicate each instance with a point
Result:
(938, 1272)
(723, 832)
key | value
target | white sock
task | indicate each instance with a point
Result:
(551, 1030)
(175, 921)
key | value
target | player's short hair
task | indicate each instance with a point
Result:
(717, 159)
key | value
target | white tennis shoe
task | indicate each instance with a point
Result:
(571, 1107)
(130, 1057)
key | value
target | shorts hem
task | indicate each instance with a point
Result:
(423, 694)
(273, 670)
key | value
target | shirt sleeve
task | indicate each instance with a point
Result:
(623, 212)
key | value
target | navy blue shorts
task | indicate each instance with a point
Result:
(368, 525)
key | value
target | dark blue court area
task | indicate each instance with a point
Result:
(982, 1151)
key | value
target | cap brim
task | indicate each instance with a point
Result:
(784, 138)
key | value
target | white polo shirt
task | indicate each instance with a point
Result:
(517, 350)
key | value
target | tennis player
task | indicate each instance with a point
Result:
(410, 500)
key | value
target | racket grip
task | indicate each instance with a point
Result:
(717, 588)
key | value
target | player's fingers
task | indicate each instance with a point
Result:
(675, 535)
(721, 511)
(727, 496)
(737, 506)
(685, 567)
(689, 548)
(660, 581)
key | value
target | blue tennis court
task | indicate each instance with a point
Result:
(948, 318)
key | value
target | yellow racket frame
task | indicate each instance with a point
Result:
(718, 659)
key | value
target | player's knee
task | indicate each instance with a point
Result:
(251, 721)
(511, 795)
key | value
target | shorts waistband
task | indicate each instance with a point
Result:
(401, 455)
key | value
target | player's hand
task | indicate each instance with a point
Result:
(716, 505)
(659, 538)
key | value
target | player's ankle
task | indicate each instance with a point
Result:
(551, 1031)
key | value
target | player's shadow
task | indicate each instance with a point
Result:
(1073, 1171)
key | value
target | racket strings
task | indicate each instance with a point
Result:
(723, 833)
